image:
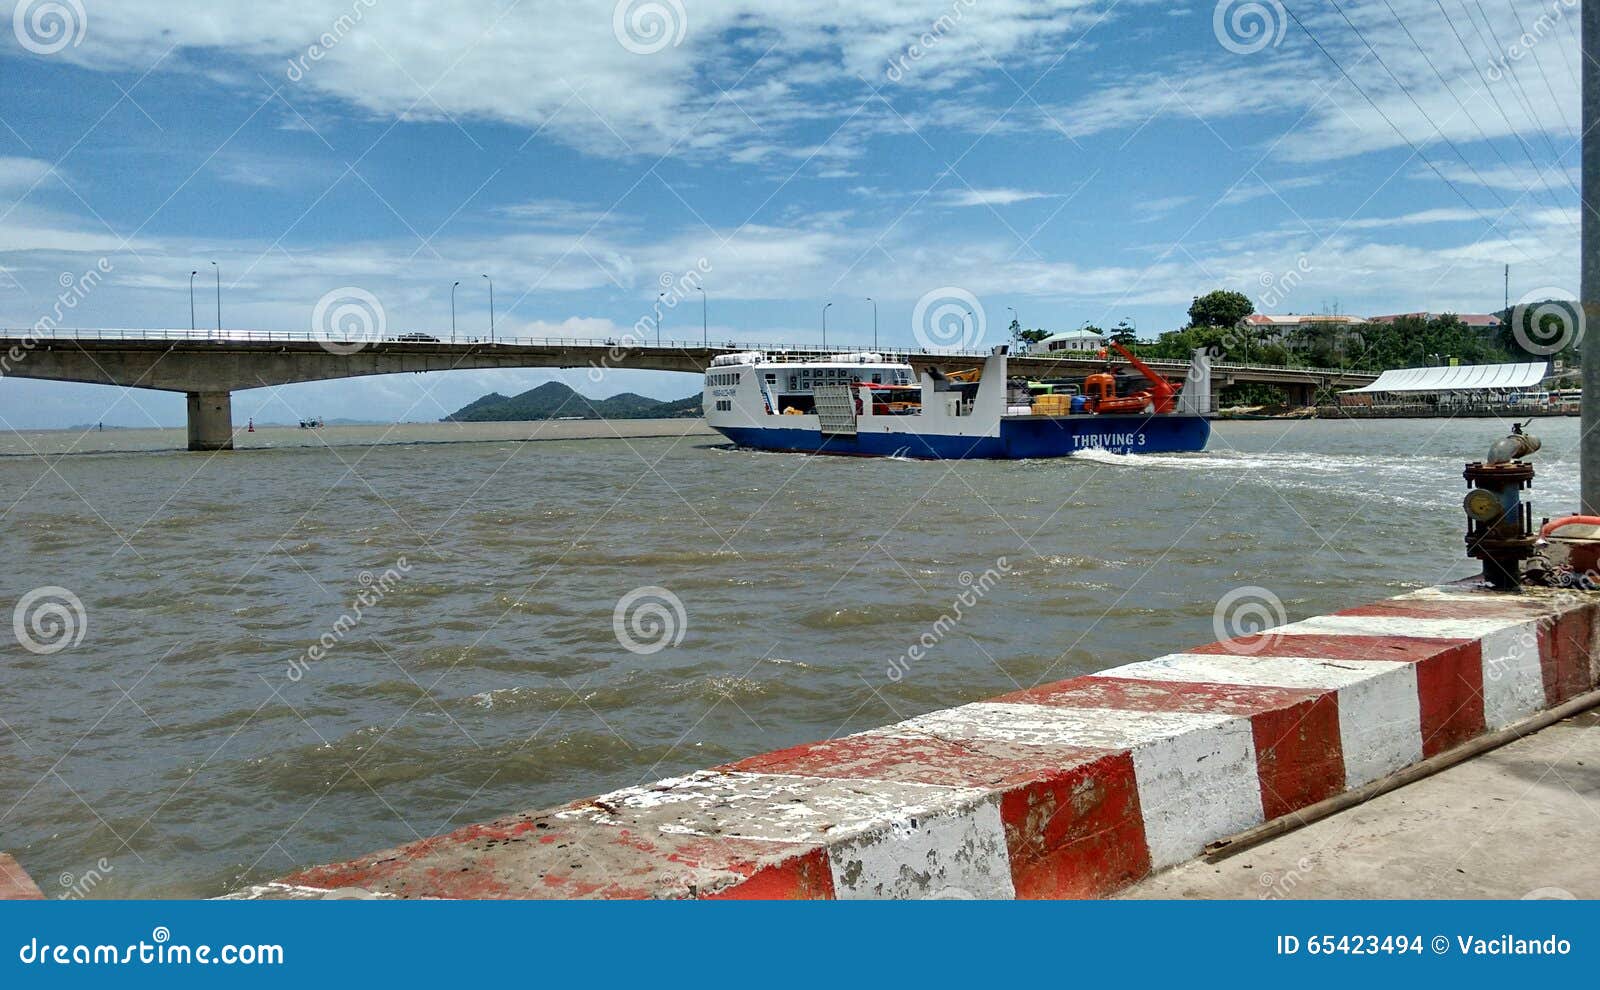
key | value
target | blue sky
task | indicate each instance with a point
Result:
(1079, 160)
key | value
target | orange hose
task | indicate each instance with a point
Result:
(1555, 524)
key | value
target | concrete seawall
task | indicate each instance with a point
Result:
(1072, 789)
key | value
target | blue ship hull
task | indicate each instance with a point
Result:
(1021, 437)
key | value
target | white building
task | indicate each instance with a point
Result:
(1071, 340)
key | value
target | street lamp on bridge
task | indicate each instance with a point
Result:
(219, 297)
(191, 301)
(825, 326)
(491, 308)
(453, 310)
(874, 303)
(705, 320)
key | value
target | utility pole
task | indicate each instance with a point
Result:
(1589, 253)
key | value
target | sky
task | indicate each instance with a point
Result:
(1069, 161)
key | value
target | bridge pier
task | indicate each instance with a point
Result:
(210, 420)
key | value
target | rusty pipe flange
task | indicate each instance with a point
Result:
(1478, 472)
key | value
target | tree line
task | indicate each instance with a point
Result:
(1218, 322)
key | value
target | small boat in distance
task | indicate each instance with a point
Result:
(867, 405)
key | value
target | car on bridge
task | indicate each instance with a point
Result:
(417, 338)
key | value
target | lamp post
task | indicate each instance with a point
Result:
(219, 297)
(659, 296)
(453, 310)
(705, 319)
(874, 303)
(491, 308)
(191, 301)
(1589, 271)
(825, 326)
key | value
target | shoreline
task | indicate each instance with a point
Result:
(67, 442)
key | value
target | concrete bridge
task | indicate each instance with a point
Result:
(210, 367)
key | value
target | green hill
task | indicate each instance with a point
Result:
(554, 400)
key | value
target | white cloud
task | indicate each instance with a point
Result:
(1443, 215)
(559, 68)
(1148, 210)
(992, 197)
(18, 175)
(1257, 188)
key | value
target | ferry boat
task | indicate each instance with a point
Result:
(869, 405)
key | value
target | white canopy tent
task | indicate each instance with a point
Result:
(1461, 378)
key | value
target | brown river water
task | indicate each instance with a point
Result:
(222, 668)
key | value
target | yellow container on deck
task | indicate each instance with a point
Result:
(1052, 405)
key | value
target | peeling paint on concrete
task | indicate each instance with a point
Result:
(1197, 787)
(958, 854)
(770, 806)
(1513, 675)
(1042, 725)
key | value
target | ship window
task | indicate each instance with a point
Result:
(772, 379)
(877, 379)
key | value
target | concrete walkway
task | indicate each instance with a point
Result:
(1519, 821)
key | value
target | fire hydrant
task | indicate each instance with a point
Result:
(1499, 521)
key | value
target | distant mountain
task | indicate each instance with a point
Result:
(553, 400)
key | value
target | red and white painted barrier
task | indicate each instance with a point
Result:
(15, 884)
(1072, 789)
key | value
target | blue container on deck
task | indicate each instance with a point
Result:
(1080, 403)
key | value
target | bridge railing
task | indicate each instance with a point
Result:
(620, 342)
(473, 339)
